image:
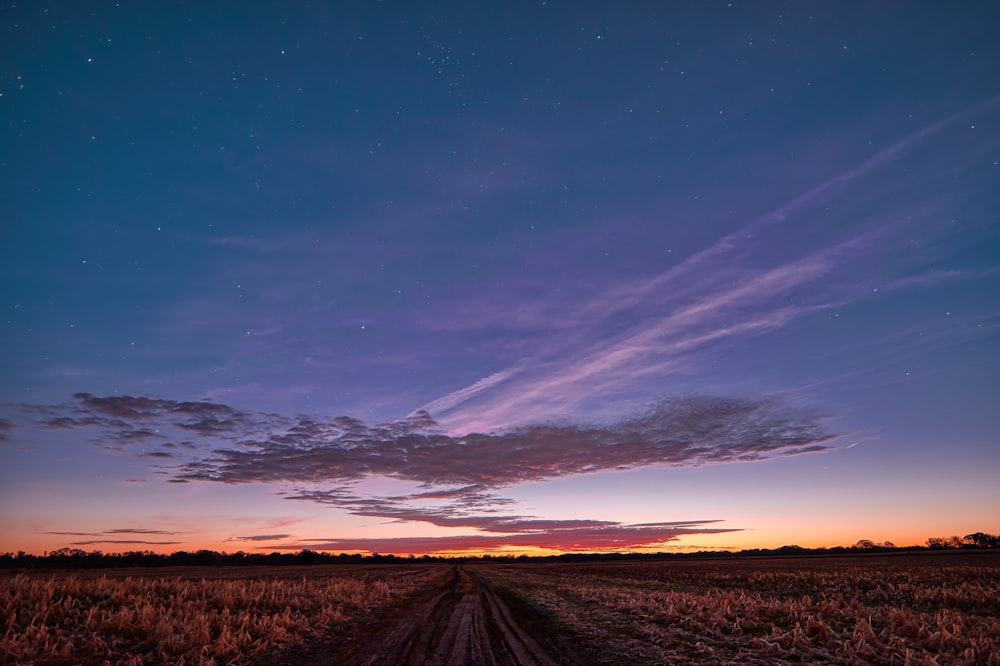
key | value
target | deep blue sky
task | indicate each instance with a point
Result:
(712, 220)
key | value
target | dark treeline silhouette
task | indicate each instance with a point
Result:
(75, 558)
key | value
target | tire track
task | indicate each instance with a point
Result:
(465, 622)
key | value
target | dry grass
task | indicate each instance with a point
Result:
(746, 612)
(868, 610)
(171, 619)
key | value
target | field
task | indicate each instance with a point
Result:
(924, 608)
(888, 609)
(232, 616)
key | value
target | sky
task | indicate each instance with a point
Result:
(532, 277)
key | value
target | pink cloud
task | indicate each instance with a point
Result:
(614, 537)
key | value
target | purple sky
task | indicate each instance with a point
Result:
(552, 275)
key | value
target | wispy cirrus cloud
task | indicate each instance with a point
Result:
(584, 348)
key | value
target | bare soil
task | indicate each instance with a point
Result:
(465, 619)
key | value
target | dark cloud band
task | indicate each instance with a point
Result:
(324, 458)
(688, 431)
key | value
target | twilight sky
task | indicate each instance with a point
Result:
(548, 276)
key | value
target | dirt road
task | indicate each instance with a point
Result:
(466, 621)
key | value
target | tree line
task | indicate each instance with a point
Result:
(75, 558)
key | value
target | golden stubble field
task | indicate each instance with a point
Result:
(929, 608)
(923, 608)
(197, 616)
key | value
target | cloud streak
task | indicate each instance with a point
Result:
(495, 531)
(607, 536)
(261, 537)
(110, 537)
(94, 542)
(116, 531)
(763, 277)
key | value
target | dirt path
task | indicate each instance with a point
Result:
(467, 621)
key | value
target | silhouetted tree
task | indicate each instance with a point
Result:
(945, 542)
(982, 540)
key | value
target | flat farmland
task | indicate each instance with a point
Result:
(213, 615)
(896, 608)
(929, 608)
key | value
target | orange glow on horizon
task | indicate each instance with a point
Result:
(730, 542)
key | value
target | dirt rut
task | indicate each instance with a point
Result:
(467, 621)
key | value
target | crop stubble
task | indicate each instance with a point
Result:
(869, 610)
(888, 609)
(218, 617)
